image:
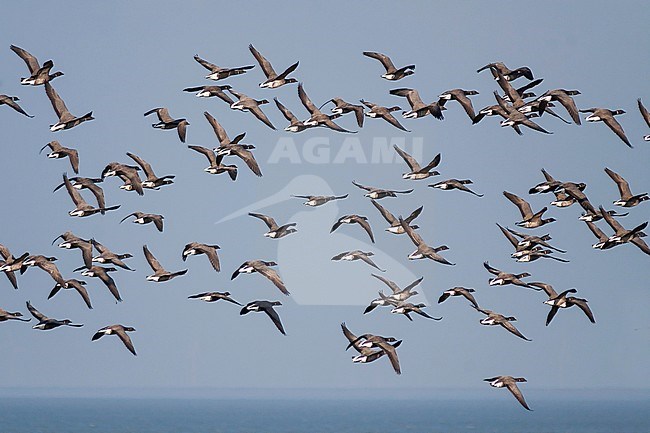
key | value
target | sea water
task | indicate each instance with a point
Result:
(150, 415)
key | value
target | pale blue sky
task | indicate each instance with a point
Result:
(122, 59)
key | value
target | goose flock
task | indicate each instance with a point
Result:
(517, 105)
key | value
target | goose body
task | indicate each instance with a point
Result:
(39, 75)
(46, 323)
(510, 383)
(66, 119)
(10, 101)
(267, 308)
(392, 73)
(160, 274)
(121, 332)
(219, 73)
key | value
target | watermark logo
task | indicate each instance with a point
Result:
(327, 150)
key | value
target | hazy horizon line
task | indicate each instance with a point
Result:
(318, 393)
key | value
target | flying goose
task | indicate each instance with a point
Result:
(379, 193)
(45, 263)
(165, 121)
(102, 273)
(536, 108)
(220, 132)
(529, 241)
(513, 96)
(70, 240)
(127, 185)
(317, 118)
(493, 110)
(563, 301)
(510, 383)
(261, 267)
(603, 240)
(392, 73)
(45, 323)
(266, 307)
(75, 284)
(418, 108)
(39, 74)
(377, 111)
(461, 96)
(107, 256)
(418, 172)
(243, 152)
(398, 294)
(406, 308)
(210, 91)
(210, 251)
(549, 185)
(128, 173)
(6, 315)
(423, 250)
(66, 120)
(591, 214)
(530, 255)
(622, 235)
(295, 125)
(527, 251)
(519, 249)
(564, 97)
(275, 231)
(228, 147)
(10, 264)
(458, 184)
(152, 181)
(395, 225)
(366, 354)
(159, 275)
(214, 297)
(216, 162)
(10, 101)
(502, 278)
(519, 111)
(515, 118)
(646, 117)
(494, 319)
(59, 151)
(218, 73)
(382, 301)
(357, 255)
(627, 199)
(511, 114)
(529, 220)
(378, 342)
(342, 107)
(562, 199)
(146, 218)
(459, 291)
(319, 200)
(246, 103)
(370, 341)
(120, 331)
(607, 116)
(354, 219)
(273, 80)
(571, 192)
(508, 74)
(82, 208)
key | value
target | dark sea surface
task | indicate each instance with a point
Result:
(141, 415)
